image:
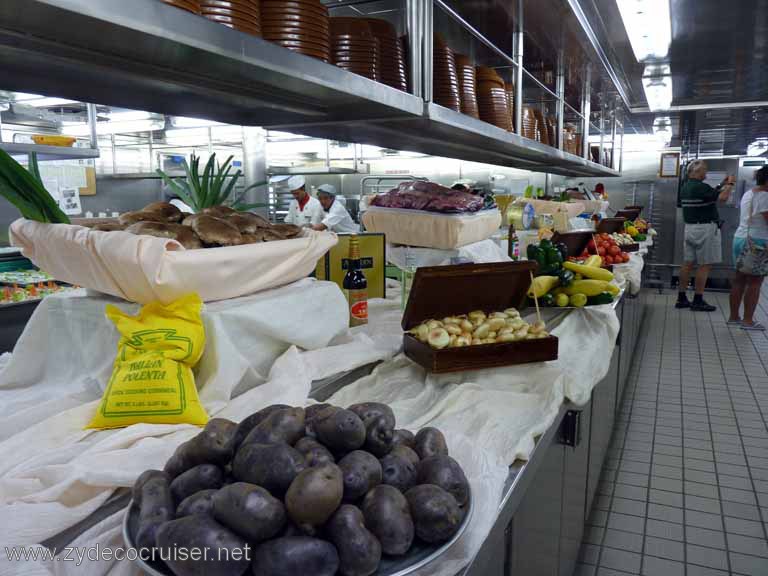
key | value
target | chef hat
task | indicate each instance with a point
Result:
(296, 182)
(329, 189)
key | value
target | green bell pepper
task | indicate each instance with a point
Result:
(547, 300)
(533, 252)
(563, 249)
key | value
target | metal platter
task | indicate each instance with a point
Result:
(419, 555)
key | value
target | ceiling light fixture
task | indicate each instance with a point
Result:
(649, 27)
(758, 147)
(662, 129)
(657, 84)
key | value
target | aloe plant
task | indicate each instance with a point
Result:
(213, 188)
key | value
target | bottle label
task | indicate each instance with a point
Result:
(358, 307)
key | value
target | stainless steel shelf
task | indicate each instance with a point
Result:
(307, 171)
(49, 152)
(443, 132)
(146, 55)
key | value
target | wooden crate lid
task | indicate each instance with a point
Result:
(440, 291)
(611, 225)
(575, 241)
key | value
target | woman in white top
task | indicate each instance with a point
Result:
(753, 228)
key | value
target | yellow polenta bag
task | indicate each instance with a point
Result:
(152, 380)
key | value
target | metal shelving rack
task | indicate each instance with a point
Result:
(149, 56)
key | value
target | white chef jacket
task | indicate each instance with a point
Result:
(338, 220)
(311, 215)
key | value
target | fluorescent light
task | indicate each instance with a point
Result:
(649, 27)
(657, 83)
(117, 127)
(662, 129)
(185, 122)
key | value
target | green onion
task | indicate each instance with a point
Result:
(27, 193)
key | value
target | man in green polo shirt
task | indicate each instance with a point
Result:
(703, 243)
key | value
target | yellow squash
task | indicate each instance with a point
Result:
(589, 272)
(594, 261)
(542, 285)
(587, 287)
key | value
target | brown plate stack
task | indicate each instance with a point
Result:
(467, 85)
(354, 47)
(529, 123)
(391, 54)
(242, 15)
(189, 5)
(510, 89)
(446, 80)
(551, 122)
(299, 25)
(492, 98)
(541, 127)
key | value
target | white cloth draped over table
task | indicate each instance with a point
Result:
(54, 473)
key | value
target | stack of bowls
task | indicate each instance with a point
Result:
(529, 123)
(354, 47)
(391, 54)
(492, 98)
(299, 25)
(242, 15)
(467, 85)
(446, 80)
(551, 130)
(510, 89)
(541, 127)
(188, 5)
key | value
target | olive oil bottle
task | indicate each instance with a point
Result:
(356, 286)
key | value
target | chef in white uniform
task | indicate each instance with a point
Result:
(304, 210)
(335, 215)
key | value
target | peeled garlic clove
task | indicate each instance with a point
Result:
(512, 313)
(462, 316)
(467, 326)
(432, 324)
(541, 335)
(453, 329)
(498, 315)
(452, 341)
(492, 335)
(522, 332)
(506, 330)
(496, 324)
(477, 315)
(532, 337)
(538, 327)
(420, 332)
(451, 320)
(482, 331)
(519, 324)
(467, 335)
(476, 341)
(506, 337)
(439, 338)
(489, 341)
(462, 341)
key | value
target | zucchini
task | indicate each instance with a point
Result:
(589, 271)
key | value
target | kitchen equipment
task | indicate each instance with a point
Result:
(467, 85)
(441, 291)
(446, 80)
(299, 25)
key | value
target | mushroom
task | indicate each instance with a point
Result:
(165, 209)
(216, 231)
(128, 218)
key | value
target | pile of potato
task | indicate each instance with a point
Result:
(214, 227)
(477, 328)
(319, 491)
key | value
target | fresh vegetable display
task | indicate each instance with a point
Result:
(606, 247)
(322, 490)
(548, 256)
(637, 230)
(478, 328)
(587, 284)
(622, 239)
(215, 226)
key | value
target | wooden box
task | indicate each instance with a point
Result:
(441, 291)
(611, 225)
(575, 242)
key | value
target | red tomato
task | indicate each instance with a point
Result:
(625, 257)
(591, 245)
(608, 260)
(614, 250)
(601, 251)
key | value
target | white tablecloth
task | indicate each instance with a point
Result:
(54, 474)
(415, 257)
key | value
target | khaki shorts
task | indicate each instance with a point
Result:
(703, 244)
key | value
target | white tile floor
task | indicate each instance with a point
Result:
(684, 489)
